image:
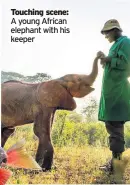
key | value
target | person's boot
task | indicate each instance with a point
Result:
(108, 167)
(119, 166)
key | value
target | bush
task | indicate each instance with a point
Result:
(69, 133)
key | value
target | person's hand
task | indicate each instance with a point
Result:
(104, 60)
(100, 55)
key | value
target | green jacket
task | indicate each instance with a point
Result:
(115, 94)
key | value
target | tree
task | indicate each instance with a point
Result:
(90, 110)
(6, 76)
(75, 117)
(58, 127)
(39, 77)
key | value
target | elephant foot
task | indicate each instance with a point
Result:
(47, 162)
(53, 168)
(46, 166)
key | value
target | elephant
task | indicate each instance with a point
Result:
(25, 103)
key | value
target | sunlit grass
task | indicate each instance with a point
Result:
(74, 165)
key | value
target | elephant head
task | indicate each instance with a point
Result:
(80, 85)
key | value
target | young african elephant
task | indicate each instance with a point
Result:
(24, 103)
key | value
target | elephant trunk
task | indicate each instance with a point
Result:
(92, 76)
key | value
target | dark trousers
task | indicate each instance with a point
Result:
(116, 138)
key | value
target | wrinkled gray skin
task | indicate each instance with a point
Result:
(24, 103)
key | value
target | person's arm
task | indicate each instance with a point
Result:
(122, 60)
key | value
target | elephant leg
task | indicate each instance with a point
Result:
(5, 133)
(42, 126)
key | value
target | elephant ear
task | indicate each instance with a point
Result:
(52, 94)
(77, 90)
(82, 91)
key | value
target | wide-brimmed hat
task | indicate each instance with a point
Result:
(110, 24)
